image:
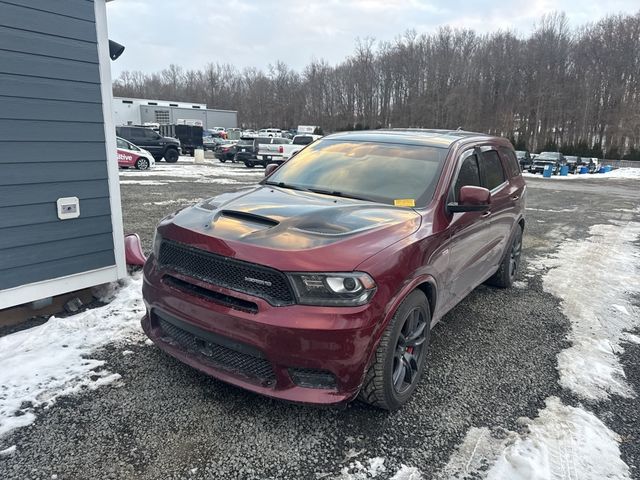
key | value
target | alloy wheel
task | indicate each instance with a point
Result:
(409, 350)
(514, 259)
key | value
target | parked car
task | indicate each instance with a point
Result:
(557, 157)
(226, 150)
(210, 142)
(130, 155)
(190, 136)
(538, 166)
(246, 150)
(573, 162)
(159, 146)
(321, 284)
(524, 159)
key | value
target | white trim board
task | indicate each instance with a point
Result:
(57, 286)
(110, 136)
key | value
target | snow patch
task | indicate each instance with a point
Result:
(143, 182)
(407, 473)
(595, 279)
(563, 442)
(8, 451)
(53, 359)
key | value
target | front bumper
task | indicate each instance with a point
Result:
(263, 351)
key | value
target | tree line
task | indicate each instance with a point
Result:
(574, 90)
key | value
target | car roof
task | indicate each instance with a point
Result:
(411, 136)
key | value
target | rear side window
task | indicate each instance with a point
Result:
(122, 143)
(492, 169)
(513, 166)
(469, 175)
(150, 134)
(302, 140)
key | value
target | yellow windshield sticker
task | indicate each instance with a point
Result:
(404, 202)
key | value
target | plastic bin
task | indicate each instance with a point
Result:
(548, 171)
(564, 170)
(584, 170)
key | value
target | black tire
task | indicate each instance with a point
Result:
(171, 155)
(143, 163)
(388, 384)
(222, 160)
(509, 267)
(249, 164)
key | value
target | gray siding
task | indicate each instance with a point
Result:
(52, 142)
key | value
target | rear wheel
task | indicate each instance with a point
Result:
(142, 163)
(249, 164)
(506, 274)
(399, 361)
(222, 160)
(171, 155)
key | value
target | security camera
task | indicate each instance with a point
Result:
(115, 49)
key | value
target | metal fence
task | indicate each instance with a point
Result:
(620, 163)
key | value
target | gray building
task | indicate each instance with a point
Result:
(140, 111)
(60, 214)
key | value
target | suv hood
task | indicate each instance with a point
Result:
(273, 218)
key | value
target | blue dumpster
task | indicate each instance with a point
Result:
(548, 170)
(564, 170)
(607, 168)
(584, 169)
(601, 170)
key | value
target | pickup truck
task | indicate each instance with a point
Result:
(260, 150)
(297, 144)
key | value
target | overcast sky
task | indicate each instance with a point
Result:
(192, 33)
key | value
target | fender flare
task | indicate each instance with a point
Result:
(393, 306)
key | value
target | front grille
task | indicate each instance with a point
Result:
(263, 282)
(209, 351)
(219, 298)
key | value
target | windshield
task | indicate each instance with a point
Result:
(381, 172)
(549, 156)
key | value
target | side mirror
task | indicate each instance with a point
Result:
(471, 199)
(270, 169)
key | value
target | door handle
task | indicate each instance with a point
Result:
(487, 213)
(515, 197)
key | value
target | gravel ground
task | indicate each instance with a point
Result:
(492, 360)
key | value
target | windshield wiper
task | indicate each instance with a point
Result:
(288, 185)
(339, 194)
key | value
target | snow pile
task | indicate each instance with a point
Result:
(626, 172)
(596, 278)
(53, 359)
(563, 442)
(623, 173)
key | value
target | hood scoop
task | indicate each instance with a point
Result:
(249, 217)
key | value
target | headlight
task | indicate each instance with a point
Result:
(157, 240)
(333, 289)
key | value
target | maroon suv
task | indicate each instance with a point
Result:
(322, 283)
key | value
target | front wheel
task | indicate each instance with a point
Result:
(142, 163)
(222, 160)
(171, 155)
(399, 361)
